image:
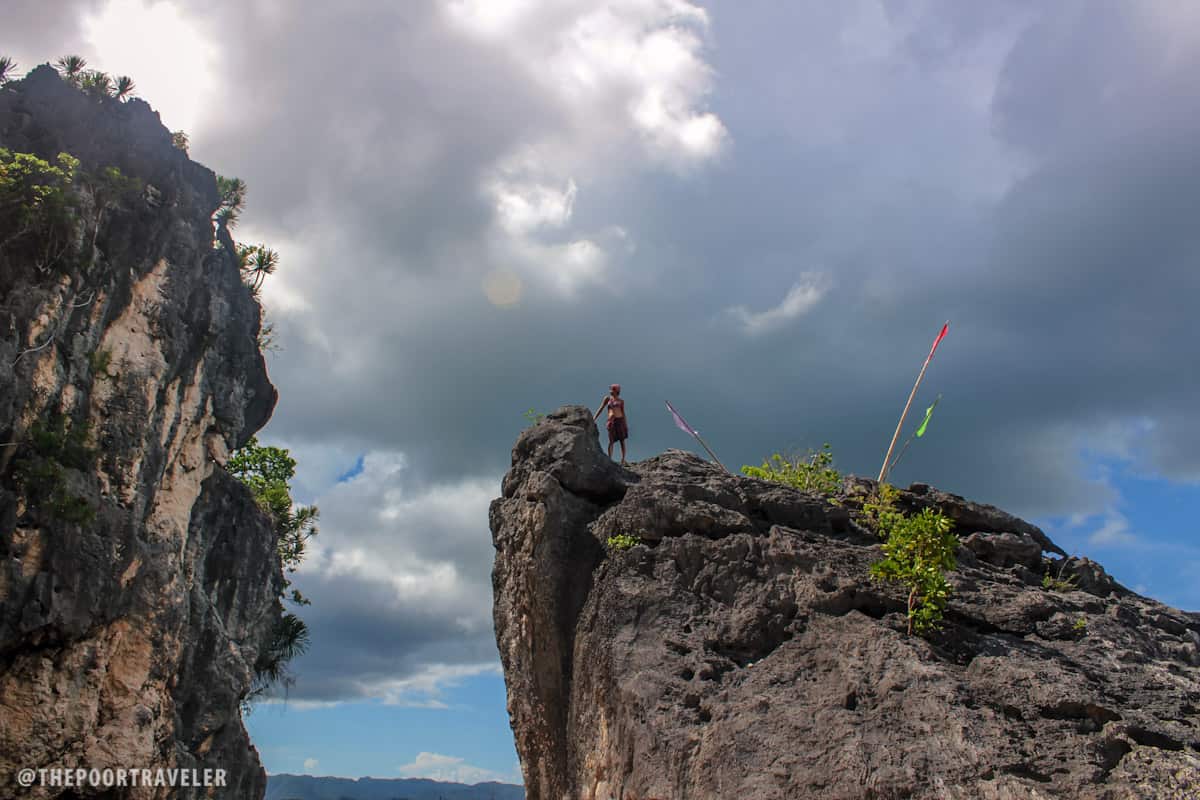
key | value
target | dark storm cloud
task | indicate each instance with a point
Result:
(1026, 170)
(36, 32)
(373, 120)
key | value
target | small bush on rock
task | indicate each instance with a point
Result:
(622, 541)
(918, 552)
(813, 472)
(55, 446)
(880, 512)
(1057, 583)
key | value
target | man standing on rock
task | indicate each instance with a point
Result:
(618, 424)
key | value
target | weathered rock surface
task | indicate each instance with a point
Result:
(128, 639)
(741, 651)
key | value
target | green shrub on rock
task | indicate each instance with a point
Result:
(918, 552)
(622, 541)
(813, 472)
(40, 470)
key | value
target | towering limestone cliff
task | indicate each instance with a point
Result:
(138, 582)
(742, 651)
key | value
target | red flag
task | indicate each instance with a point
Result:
(887, 458)
(938, 340)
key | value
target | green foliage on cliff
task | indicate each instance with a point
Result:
(622, 541)
(1057, 583)
(918, 550)
(37, 206)
(99, 361)
(917, 554)
(97, 84)
(41, 204)
(7, 68)
(256, 262)
(267, 471)
(880, 512)
(813, 472)
(533, 417)
(71, 68)
(289, 638)
(233, 200)
(40, 469)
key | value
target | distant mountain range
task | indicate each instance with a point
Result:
(307, 787)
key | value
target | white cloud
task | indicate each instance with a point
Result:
(310, 763)
(628, 81)
(631, 67)
(377, 530)
(525, 208)
(168, 53)
(436, 766)
(800, 299)
(1113, 532)
(426, 688)
(414, 560)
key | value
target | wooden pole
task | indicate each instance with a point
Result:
(884, 469)
(710, 452)
(682, 424)
(900, 455)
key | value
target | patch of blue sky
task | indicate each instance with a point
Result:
(1147, 541)
(353, 739)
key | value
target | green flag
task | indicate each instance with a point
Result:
(928, 414)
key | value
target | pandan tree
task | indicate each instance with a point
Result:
(233, 200)
(71, 68)
(123, 88)
(261, 262)
(289, 639)
(233, 193)
(226, 217)
(7, 68)
(96, 83)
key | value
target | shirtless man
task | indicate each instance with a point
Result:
(618, 423)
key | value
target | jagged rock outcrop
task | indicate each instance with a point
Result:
(741, 651)
(139, 581)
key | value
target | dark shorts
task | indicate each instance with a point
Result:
(618, 429)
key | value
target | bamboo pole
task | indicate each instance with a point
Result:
(681, 423)
(912, 436)
(710, 452)
(884, 469)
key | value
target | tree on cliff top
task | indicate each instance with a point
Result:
(124, 87)
(71, 68)
(7, 68)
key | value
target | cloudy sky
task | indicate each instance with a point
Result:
(760, 211)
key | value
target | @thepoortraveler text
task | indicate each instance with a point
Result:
(120, 776)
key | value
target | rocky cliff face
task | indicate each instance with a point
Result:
(138, 580)
(743, 652)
